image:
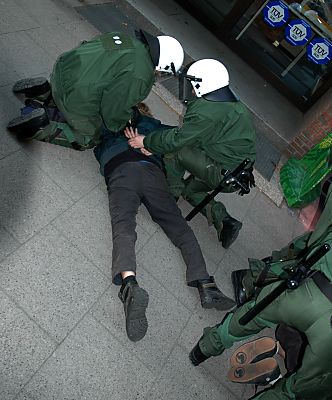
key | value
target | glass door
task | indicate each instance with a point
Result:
(290, 43)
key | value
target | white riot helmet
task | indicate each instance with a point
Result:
(166, 52)
(209, 79)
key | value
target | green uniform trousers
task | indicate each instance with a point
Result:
(206, 176)
(60, 133)
(306, 309)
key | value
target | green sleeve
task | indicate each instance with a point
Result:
(117, 101)
(194, 128)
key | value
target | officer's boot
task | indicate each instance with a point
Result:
(254, 351)
(32, 87)
(26, 126)
(227, 228)
(135, 301)
(212, 297)
(262, 373)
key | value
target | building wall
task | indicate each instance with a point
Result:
(317, 123)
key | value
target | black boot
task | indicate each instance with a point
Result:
(230, 231)
(240, 293)
(27, 125)
(196, 355)
(212, 297)
(32, 87)
(135, 301)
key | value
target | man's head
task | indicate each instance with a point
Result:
(166, 52)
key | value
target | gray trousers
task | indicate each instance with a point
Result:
(131, 184)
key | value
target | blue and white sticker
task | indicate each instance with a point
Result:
(319, 51)
(276, 13)
(298, 32)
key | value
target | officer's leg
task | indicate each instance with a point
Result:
(175, 173)
(164, 211)
(207, 175)
(37, 125)
(33, 87)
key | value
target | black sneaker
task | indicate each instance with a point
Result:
(230, 231)
(32, 87)
(212, 297)
(27, 125)
(135, 301)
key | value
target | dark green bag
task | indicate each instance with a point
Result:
(300, 179)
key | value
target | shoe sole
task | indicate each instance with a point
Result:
(260, 373)
(136, 321)
(32, 86)
(221, 306)
(37, 113)
(254, 351)
(235, 234)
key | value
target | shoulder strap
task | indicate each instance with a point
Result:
(323, 283)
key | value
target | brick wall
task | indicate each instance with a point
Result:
(317, 124)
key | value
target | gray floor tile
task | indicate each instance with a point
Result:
(253, 242)
(45, 12)
(29, 200)
(166, 317)
(76, 172)
(278, 223)
(206, 236)
(164, 261)
(216, 367)
(7, 243)
(228, 264)
(81, 30)
(52, 281)
(13, 18)
(9, 105)
(23, 348)
(160, 110)
(7, 75)
(23, 55)
(181, 380)
(90, 364)
(88, 226)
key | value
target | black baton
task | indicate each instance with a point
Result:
(228, 178)
(291, 283)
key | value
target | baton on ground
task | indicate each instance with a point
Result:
(291, 283)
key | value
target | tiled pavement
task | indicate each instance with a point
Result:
(61, 324)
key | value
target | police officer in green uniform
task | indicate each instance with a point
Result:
(96, 84)
(216, 135)
(308, 309)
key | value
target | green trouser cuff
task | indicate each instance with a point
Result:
(215, 340)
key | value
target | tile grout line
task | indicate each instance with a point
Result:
(62, 341)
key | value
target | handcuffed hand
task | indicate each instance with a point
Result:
(130, 132)
(137, 141)
(145, 152)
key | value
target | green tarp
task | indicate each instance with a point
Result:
(300, 179)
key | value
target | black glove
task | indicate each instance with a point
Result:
(196, 356)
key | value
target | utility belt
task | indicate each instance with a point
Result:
(244, 180)
(320, 279)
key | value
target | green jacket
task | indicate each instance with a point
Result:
(223, 130)
(282, 261)
(100, 81)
